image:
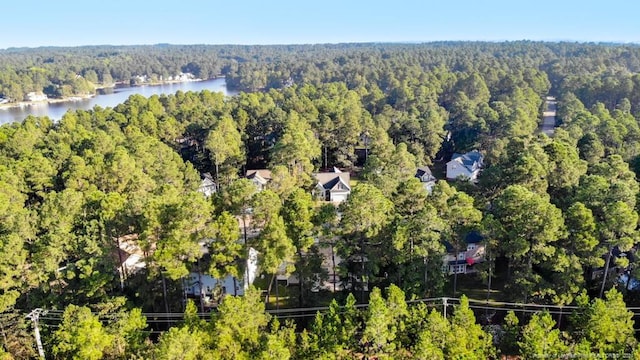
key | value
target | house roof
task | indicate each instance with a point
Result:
(129, 254)
(472, 237)
(471, 160)
(207, 185)
(207, 180)
(262, 175)
(332, 180)
(422, 171)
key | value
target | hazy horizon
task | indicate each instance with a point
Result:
(333, 43)
(40, 23)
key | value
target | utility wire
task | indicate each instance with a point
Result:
(288, 313)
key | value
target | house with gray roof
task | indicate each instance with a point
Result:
(426, 178)
(465, 166)
(333, 186)
(207, 186)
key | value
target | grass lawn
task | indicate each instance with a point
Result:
(475, 288)
(288, 295)
(284, 296)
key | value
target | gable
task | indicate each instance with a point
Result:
(263, 174)
(330, 180)
(340, 186)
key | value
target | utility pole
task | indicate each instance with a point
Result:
(35, 316)
(444, 303)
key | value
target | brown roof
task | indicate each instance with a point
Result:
(263, 173)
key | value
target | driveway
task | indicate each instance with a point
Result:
(549, 116)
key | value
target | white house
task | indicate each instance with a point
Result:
(259, 177)
(209, 287)
(207, 185)
(35, 96)
(426, 178)
(128, 257)
(465, 166)
(333, 186)
(467, 258)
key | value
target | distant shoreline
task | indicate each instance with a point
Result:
(19, 104)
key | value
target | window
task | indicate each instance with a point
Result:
(459, 269)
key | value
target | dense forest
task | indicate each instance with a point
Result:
(558, 216)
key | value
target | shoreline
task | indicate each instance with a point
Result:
(20, 104)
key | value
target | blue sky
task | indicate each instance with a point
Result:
(32, 23)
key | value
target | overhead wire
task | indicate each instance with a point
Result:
(55, 315)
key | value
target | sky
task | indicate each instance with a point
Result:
(33, 23)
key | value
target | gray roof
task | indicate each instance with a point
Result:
(472, 237)
(471, 160)
(207, 185)
(331, 180)
(422, 171)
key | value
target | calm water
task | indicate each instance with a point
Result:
(111, 99)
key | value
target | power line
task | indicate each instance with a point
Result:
(445, 302)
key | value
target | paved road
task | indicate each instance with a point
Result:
(549, 116)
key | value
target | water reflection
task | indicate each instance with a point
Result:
(108, 98)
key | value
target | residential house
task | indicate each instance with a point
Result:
(187, 142)
(614, 269)
(35, 96)
(466, 166)
(330, 265)
(129, 257)
(467, 258)
(259, 177)
(211, 289)
(333, 186)
(207, 185)
(426, 178)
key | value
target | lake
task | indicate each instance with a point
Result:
(109, 98)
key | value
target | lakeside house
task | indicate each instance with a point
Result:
(35, 96)
(182, 77)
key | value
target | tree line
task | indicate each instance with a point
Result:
(389, 327)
